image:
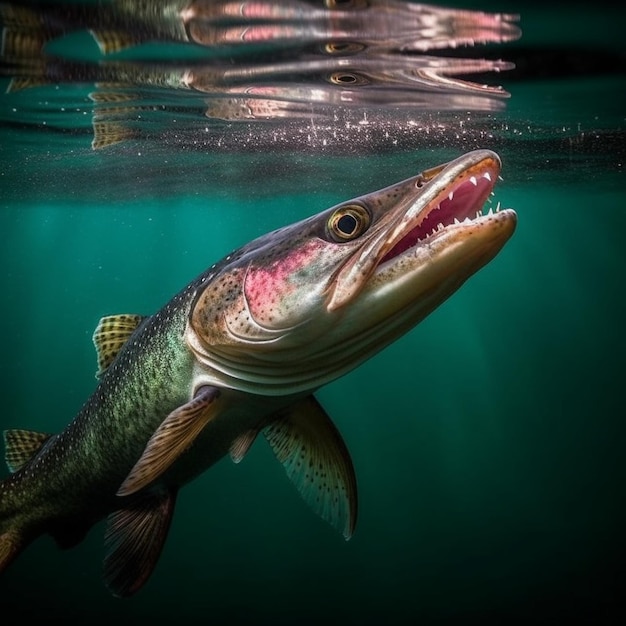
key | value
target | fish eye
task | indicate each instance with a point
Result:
(347, 78)
(345, 4)
(348, 222)
(343, 47)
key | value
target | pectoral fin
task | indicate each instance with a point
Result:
(134, 539)
(172, 438)
(242, 444)
(317, 461)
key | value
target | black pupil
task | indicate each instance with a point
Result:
(347, 224)
(345, 78)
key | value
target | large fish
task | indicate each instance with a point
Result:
(239, 352)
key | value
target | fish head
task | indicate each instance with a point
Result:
(302, 305)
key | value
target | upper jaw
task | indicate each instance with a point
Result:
(423, 203)
(454, 193)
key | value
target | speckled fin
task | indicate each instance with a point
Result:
(23, 82)
(23, 33)
(113, 41)
(172, 438)
(317, 461)
(108, 133)
(242, 444)
(21, 446)
(110, 335)
(134, 539)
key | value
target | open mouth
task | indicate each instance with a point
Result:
(462, 201)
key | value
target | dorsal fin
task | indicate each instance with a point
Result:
(110, 335)
(21, 446)
(317, 461)
(23, 35)
(110, 41)
(25, 82)
(106, 96)
(108, 133)
(134, 539)
(22, 44)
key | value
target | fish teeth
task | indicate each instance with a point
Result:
(451, 195)
(473, 181)
(487, 175)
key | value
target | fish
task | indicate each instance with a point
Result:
(240, 352)
(260, 61)
(291, 92)
(227, 26)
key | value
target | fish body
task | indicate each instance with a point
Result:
(241, 351)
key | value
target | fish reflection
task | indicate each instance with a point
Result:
(220, 25)
(255, 61)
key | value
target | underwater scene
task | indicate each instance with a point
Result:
(465, 434)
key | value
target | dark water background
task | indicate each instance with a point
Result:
(488, 443)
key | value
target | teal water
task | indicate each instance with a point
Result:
(488, 442)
